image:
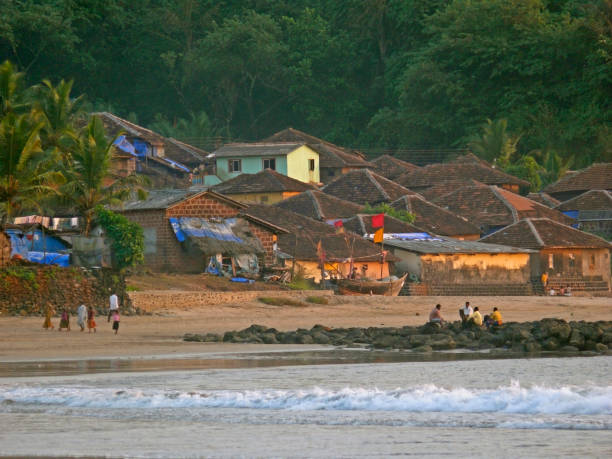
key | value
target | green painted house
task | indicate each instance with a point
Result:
(295, 160)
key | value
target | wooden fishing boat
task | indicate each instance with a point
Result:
(370, 287)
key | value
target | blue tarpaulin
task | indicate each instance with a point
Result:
(202, 228)
(32, 246)
(176, 164)
(50, 258)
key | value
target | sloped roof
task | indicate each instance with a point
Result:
(362, 224)
(164, 199)
(450, 246)
(320, 206)
(256, 149)
(538, 233)
(591, 200)
(434, 219)
(305, 233)
(391, 168)
(447, 186)
(363, 186)
(330, 155)
(435, 173)
(597, 176)
(266, 181)
(544, 199)
(485, 205)
(173, 149)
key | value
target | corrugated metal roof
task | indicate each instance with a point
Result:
(256, 149)
(448, 245)
(159, 199)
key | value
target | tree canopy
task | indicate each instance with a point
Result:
(380, 75)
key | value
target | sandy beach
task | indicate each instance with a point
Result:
(160, 334)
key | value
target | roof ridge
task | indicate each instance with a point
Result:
(535, 231)
(377, 185)
(506, 203)
(316, 205)
(362, 224)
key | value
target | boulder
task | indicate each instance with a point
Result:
(601, 348)
(556, 328)
(576, 339)
(423, 349)
(269, 338)
(320, 338)
(551, 344)
(419, 340)
(570, 349)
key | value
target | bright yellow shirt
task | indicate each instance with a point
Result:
(476, 317)
(496, 317)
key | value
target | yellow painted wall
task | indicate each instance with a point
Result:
(311, 269)
(482, 260)
(297, 165)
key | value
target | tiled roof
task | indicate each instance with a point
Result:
(163, 199)
(266, 181)
(363, 186)
(330, 155)
(597, 176)
(591, 200)
(538, 233)
(544, 199)
(447, 186)
(433, 174)
(320, 206)
(256, 149)
(391, 168)
(362, 224)
(433, 218)
(174, 149)
(305, 233)
(449, 246)
(490, 206)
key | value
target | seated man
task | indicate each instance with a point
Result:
(465, 312)
(494, 319)
(475, 317)
(435, 315)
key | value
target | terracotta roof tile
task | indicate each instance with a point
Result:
(305, 233)
(266, 181)
(447, 186)
(391, 168)
(544, 199)
(591, 200)
(256, 149)
(320, 206)
(363, 186)
(435, 219)
(538, 233)
(597, 176)
(490, 206)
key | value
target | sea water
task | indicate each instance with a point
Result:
(470, 408)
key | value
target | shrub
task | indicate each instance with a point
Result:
(317, 300)
(127, 238)
(279, 301)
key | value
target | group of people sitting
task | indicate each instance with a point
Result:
(469, 316)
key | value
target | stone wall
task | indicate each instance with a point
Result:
(154, 300)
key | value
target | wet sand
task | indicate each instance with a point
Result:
(160, 334)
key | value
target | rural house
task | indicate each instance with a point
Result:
(544, 199)
(340, 252)
(435, 219)
(184, 228)
(442, 266)
(320, 206)
(391, 168)
(572, 258)
(598, 176)
(592, 210)
(462, 168)
(265, 187)
(334, 160)
(492, 208)
(296, 160)
(362, 224)
(365, 187)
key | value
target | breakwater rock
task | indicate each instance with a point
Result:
(543, 335)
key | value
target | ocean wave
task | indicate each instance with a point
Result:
(510, 399)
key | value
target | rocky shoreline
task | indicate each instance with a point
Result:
(529, 337)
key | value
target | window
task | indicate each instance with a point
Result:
(311, 164)
(269, 163)
(234, 165)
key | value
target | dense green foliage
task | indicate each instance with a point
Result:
(386, 209)
(127, 238)
(375, 74)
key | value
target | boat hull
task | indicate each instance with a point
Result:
(358, 287)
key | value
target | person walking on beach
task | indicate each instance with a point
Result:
(435, 316)
(64, 321)
(116, 320)
(82, 316)
(91, 319)
(114, 305)
(47, 324)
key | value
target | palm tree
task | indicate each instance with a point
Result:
(10, 81)
(26, 177)
(495, 143)
(89, 179)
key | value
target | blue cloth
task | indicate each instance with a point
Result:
(50, 258)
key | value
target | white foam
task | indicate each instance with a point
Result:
(510, 399)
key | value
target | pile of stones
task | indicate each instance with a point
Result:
(543, 335)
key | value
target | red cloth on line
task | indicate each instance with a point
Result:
(378, 221)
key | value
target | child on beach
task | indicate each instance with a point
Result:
(116, 320)
(64, 321)
(91, 321)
